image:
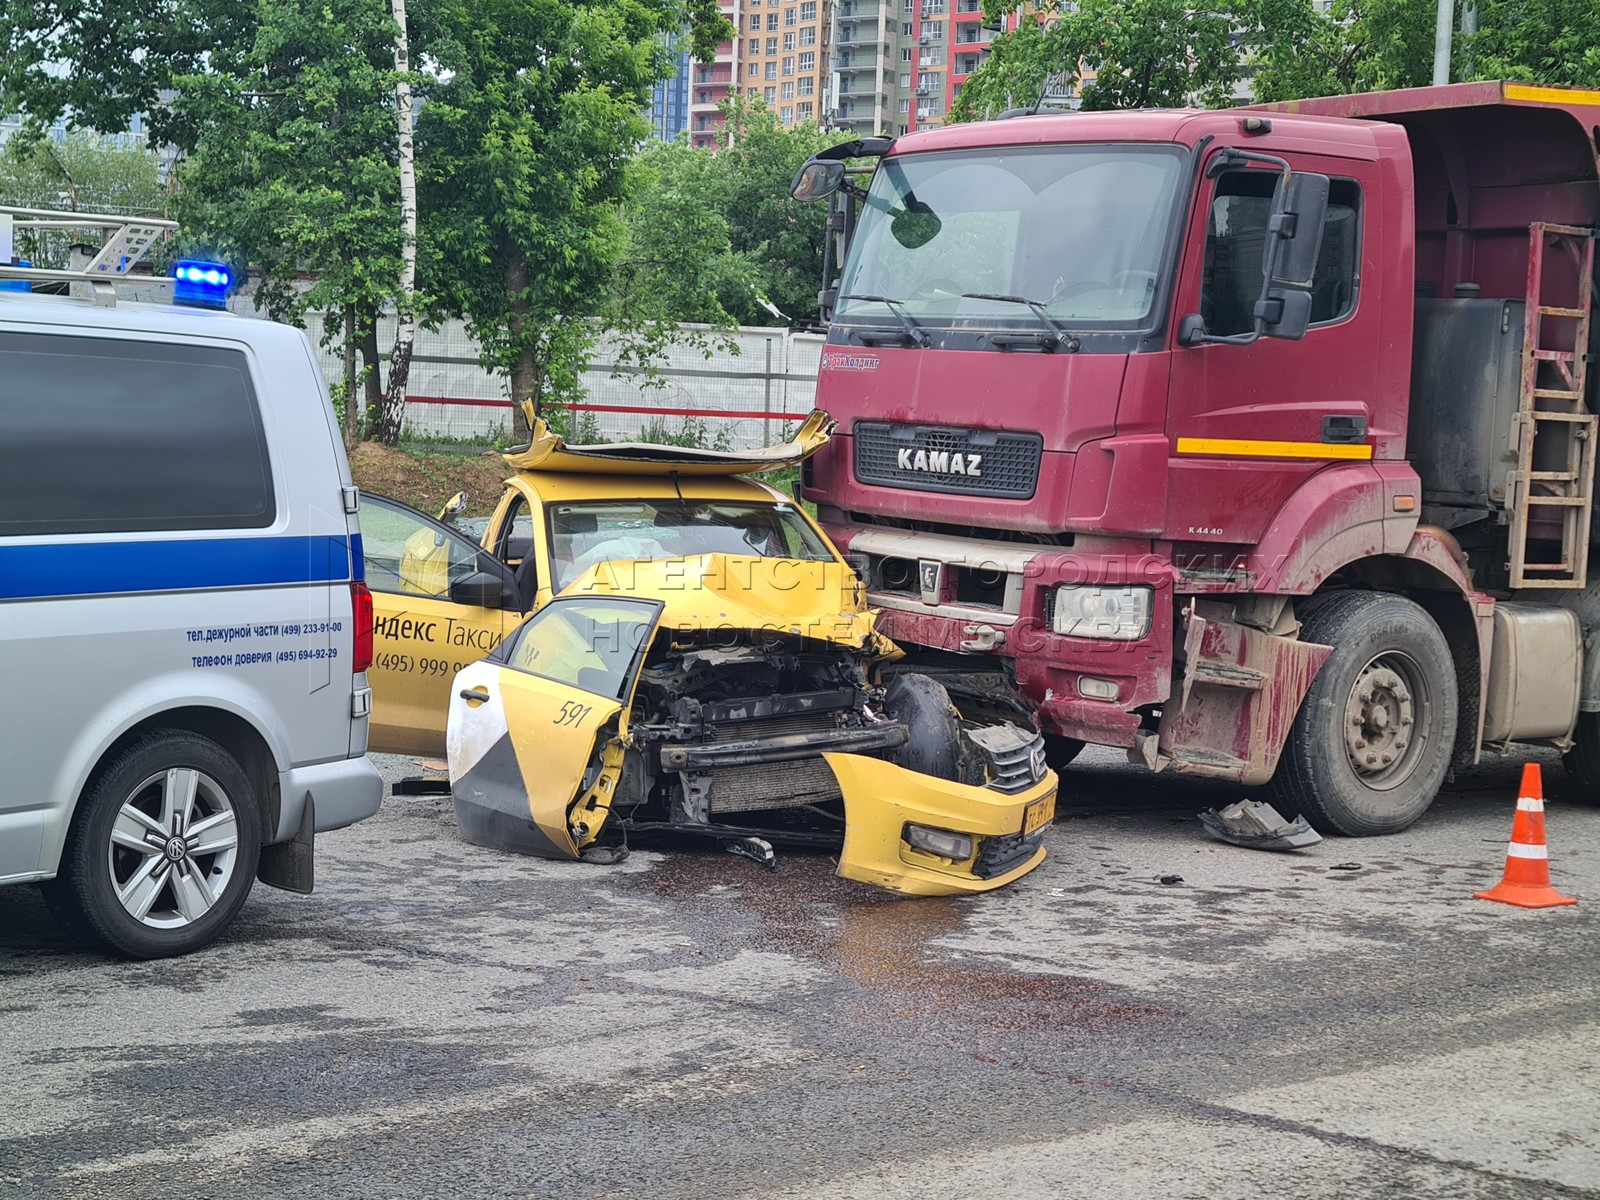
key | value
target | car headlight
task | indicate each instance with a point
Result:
(1118, 614)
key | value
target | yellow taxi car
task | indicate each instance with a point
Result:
(699, 658)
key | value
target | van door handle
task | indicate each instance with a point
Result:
(474, 695)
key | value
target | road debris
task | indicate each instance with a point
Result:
(1258, 826)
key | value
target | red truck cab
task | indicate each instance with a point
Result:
(1096, 456)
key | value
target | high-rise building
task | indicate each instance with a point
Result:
(782, 56)
(899, 64)
(710, 84)
(669, 101)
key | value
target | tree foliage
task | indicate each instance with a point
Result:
(716, 236)
(1117, 53)
(1149, 53)
(527, 123)
(292, 163)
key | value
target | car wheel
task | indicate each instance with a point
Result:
(162, 851)
(1583, 760)
(923, 706)
(1371, 745)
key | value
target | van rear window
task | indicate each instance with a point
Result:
(105, 435)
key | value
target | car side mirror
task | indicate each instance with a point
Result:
(817, 180)
(482, 589)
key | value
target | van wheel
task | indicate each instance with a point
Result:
(1371, 745)
(923, 706)
(162, 851)
(1583, 760)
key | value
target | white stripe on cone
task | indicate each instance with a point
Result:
(1529, 804)
(1520, 850)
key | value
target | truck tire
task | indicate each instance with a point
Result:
(1060, 751)
(1583, 760)
(162, 850)
(923, 706)
(1371, 745)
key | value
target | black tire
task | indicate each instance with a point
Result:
(923, 706)
(188, 862)
(1060, 751)
(1583, 760)
(1371, 745)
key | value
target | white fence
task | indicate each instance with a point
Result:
(732, 400)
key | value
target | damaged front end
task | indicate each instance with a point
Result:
(608, 715)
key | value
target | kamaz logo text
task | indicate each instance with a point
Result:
(946, 462)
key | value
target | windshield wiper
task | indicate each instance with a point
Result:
(914, 331)
(1065, 340)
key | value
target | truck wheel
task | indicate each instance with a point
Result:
(1583, 760)
(1060, 751)
(1371, 745)
(162, 851)
(923, 706)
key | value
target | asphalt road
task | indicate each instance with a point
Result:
(445, 1021)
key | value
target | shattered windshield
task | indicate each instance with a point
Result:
(1079, 230)
(582, 535)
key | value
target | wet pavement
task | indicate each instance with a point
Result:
(443, 1020)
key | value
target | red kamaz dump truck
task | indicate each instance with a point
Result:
(1259, 442)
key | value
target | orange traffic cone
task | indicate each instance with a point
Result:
(1527, 879)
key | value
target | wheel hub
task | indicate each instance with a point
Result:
(173, 848)
(1380, 717)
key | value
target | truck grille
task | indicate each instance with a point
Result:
(923, 458)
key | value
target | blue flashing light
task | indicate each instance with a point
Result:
(201, 284)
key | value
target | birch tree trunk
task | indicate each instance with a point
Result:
(394, 404)
(352, 410)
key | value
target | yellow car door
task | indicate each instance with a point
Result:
(439, 603)
(537, 730)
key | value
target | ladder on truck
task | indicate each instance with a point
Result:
(1554, 436)
(124, 240)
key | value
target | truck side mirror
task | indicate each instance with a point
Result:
(817, 180)
(1299, 211)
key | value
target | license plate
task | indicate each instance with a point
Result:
(1038, 814)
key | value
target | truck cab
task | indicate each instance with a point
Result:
(1136, 413)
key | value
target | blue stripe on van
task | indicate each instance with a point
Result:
(109, 568)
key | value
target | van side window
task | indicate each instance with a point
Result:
(1236, 235)
(106, 435)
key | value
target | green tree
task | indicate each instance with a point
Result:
(531, 112)
(292, 169)
(717, 235)
(1119, 53)
(83, 172)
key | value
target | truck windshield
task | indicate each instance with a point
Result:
(1079, 230)
(582, 535)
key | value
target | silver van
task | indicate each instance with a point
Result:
(184, 626)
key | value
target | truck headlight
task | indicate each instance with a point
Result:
(1118, 614)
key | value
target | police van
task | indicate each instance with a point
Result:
(184, 625)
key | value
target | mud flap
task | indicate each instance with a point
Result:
(291, 865)
(881, 800)
(1242, 688)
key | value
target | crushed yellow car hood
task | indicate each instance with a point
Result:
(817, 600)
(548, 451)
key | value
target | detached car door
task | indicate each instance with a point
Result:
(537, 729)
(439, 603)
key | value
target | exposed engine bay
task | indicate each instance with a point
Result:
(727, 730)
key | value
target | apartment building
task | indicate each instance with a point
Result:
(899, 64)
(710, 84)
(782, 58)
